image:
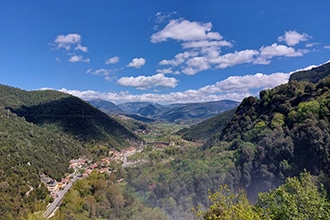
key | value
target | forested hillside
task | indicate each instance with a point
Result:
(280, 134)
(268, 139)
(206, 129)
(40, 131)
(65, 113)
(255, 147)
(313, 75)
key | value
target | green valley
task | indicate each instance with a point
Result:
(263, 154)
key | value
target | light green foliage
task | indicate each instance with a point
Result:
(304, 108)
(297, 198)
(278, 120)
(99, 197)
(226, 205)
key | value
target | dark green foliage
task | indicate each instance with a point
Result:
(208, 128)
(77, 118)
(314, 75)
(267, 140)
(28, 150)
(105, 106)
(288, 128)
(40, 131)
(183, 182)
(149, 111)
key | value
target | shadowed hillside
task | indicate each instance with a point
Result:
(40, 131)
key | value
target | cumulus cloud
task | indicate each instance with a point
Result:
(69, 41)
(279, 50)
(205, 43)
(137, 62)
(248, 82)
(81, 48)
(146, 82)
(195, 65)
(99, 72)
(66, 41)
(78, 58)
(167, 71)
(232, 59)
(178, 59)
(274, 50)
(112, 60)
(203, 47)
(185, 30)
(292, 38)
(233, 88)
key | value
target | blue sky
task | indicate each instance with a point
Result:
(160, 51)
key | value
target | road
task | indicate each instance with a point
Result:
(51, 208)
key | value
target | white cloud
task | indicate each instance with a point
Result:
(269, 52)
(137, 62)
(292, 38)
(78, 58)
(185, 30)
(99, 72)
(161, 17)
(195, 65)
(232, 59)
(311, 44)
(81, 48)
(167, 71)
(178, 59)
(66, 41)
(248, 82)
(279, 50)
(206, 43)
(233, 88)
(203, 47)
(112, 60)
(146, 82)
(327, 47)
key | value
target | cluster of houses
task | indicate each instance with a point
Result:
(87, 166)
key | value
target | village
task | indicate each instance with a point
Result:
(83, 167)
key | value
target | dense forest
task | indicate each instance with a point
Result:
(40, 131)
(270, 156)
(268, 139)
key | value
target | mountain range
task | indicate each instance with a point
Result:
(252, 145)
(182, 113)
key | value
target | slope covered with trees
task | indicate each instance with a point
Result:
(268, 139)
(280, 134)
(40, 131)
(298, 198)
(206, 129)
